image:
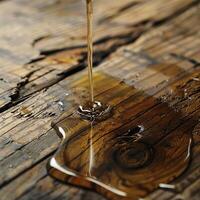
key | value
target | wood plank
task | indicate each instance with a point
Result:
(150, 56)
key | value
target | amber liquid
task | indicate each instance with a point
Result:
(89, 4)
(92, 110)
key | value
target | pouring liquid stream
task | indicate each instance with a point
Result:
(92, 110)
(90, 46)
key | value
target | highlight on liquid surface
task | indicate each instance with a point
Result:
(95, 111)
(144, 145)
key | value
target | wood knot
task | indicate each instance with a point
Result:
(134, 156)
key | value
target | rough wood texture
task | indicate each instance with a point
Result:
(152, 45)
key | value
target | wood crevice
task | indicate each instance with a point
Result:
(185, 58)
(99, 55)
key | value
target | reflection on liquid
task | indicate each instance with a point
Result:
(144, 145)
(92, 156)
(95, 111)
(53, 163)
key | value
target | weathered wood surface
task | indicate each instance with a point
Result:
(152, 45)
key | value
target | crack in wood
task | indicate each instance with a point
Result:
(121, 10)
(194, 62)
(194, 3)
(16, 91)
(99, 56)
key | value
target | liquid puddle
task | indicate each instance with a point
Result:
(143, 145)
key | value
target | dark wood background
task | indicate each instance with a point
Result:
(151, 44)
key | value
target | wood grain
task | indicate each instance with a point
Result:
(43, 52)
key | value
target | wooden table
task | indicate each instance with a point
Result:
(153, 45)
